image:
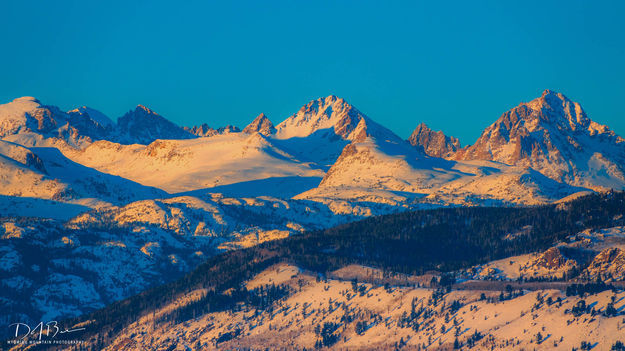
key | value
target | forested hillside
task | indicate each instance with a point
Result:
(412, 242)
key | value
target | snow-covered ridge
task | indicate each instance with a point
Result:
(397, 174)
(185, 165)
(329, 139)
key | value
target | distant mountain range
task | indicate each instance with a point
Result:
(551, 135)
(328, 152)
(149, 191)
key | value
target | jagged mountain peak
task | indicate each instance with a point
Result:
(553, 107)
(29, 122)
(139, 112)
(550, 113)
(552, 95)
(553, 135)
(261, 124)
(142, 108)
(321, 114)
(204, 130)
(323, 103)
(93, 114)
(143, 126)
(334, 118)
(433, 143)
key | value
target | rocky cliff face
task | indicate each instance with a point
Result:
(27, 115)
(550, 263)
(334, 118)
(143, 126)
(433, 143)
(203, 130)
(260, 124)
(553, 135)
(609, 265)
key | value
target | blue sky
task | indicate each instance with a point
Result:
(455, 65)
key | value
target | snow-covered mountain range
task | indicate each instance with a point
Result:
(203, 189)
(332, 141)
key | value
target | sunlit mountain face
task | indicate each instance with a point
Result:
(326, 230)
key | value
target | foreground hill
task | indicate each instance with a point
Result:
(59, 268)
(416, 243)
(308, 312)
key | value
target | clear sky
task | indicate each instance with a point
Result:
(455, 65)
